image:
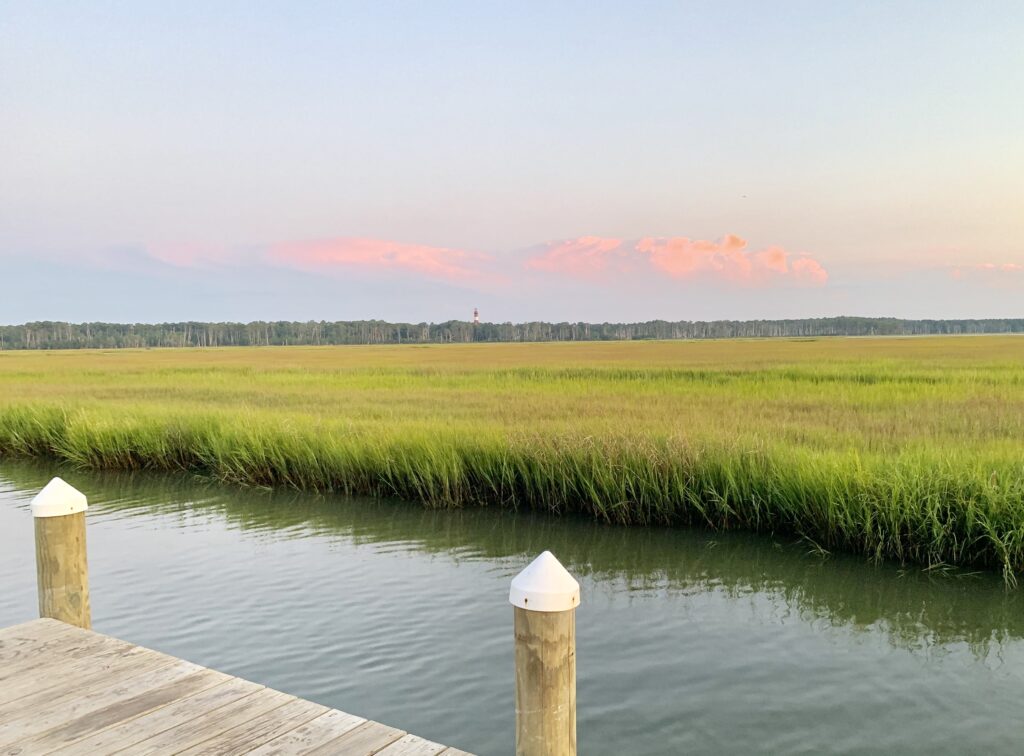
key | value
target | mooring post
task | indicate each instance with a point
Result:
(545, 597)
(62, 573)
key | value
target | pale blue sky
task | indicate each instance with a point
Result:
(883, 141)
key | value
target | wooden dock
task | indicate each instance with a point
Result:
(65, 690)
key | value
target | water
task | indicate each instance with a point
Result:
(687, 641)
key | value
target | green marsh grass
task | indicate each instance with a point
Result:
(911, 449)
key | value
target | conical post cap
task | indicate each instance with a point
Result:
(58, 499)
(545, 586)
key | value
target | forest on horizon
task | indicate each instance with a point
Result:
(61, 335)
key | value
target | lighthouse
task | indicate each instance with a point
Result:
(476, 316)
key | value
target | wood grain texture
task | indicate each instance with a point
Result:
(121, 710)
(365, 740)
(412, 745)
(101, 674)
(25, 649)
(62, 570)
(213, 724)
(33, 631)
(92, 659)
(187, 709)
(313, 734)
(70, 691)
(545, 661)
(51, 713)
(258, 730)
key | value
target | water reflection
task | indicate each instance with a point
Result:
(916, 611)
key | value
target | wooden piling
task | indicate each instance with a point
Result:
(62, 571)
(545, 682)
(545, 597)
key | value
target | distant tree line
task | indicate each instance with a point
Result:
(57, 335)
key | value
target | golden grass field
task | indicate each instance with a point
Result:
(911, 448)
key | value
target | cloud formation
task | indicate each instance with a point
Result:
(591, 259)
(329, 255)
(585, 257)
(987, 269)
(680, 258)
(379, 254)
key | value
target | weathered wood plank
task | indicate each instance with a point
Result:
(364, 740)
(257, 731)
(35, 715)
(314, 733)
(73, 692)
(37, 628)
(93, 662)
(19, 640)
(205, 727)
(97, 672)
(126, 709)
(412, 745)
(187, 709)
(27, 653)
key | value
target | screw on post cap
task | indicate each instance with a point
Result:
(58, 499)
(545, 586)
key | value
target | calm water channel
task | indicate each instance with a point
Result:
(687, 641)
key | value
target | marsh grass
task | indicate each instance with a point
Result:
(894, 448)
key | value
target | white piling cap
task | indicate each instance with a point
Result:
(545, 586)
(58, 499)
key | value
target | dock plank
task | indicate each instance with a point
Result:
(257, 731)
(87, 664)
(49, 713)
(73, 692)
(122, 710)
(413, 745)
(208, 726)
(50, 652)
(22, 644)
(36, 631)
(316, 732)
(184, 710)
(364, 740)
(101, 672)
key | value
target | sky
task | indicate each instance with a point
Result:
(599, 161)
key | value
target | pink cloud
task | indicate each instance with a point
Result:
(986, 271)
(773, 258)
(810, 270)
(334, 254)
(585, 257)
(378, 254)
(993, 267)
(729, 260)
(680, 258)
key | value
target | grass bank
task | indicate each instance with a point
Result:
(903, 448)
